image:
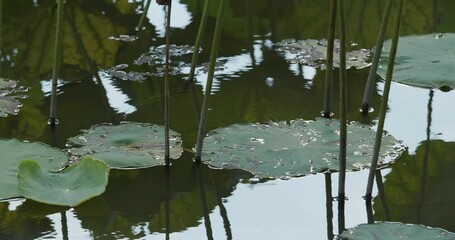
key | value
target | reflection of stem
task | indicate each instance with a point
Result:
(249, 31)
(435, 15)
(329, 62)
(199, 36)
(423, 177)
(223, 212)
(64, 223)
(366, 102)
(144, 13)
(210, 75)
(329, 205)
(57, 55)
(385, 98)
(166, 84)
(205, 209)
(369, 208)
(167, 202)
(343, 130)
(1, 35)
(341, 219)
(385, 205)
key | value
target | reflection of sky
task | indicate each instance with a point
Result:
(116, 98)
(180, 17)
(233, 66)
(408, 110)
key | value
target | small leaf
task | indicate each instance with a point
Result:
(423, 61)
(70, 187)
(388, 230)
(278, 150)
(14, 151)
(126, 146)
(9, 103)
(313, 53)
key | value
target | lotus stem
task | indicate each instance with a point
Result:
(343, 87)
(55, 73)
(385, 98)
(144, 13)
(382, 196)
(166, 84)
(329, 62)
(197, 45)
(366, 102)
(208, 88)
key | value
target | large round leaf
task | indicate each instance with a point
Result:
(388, 230)
(278, 150)
(70, 187)
(423, 61)
(14, 151)
(126, 146)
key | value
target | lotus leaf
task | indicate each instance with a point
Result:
(314, 53)
(14, 151)
(423, 61)
(9, 104)
(279, 150)
(126, 146)
(389, 230)
(77, 183)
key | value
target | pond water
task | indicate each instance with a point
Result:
(254, 83)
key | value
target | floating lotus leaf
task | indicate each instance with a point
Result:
(9, 104)
(423, 61)
(279, 150)
(14, 151)
(126, 146)
(314, 53)
(120, 72)
(388, 230)
(72, 186)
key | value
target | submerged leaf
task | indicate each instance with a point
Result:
(14, 151)
(423, 61)
(126, 146)
(72, 186)
(9, 104)
(123, 38)
(278, 150)
(313, 53)
(389, 230)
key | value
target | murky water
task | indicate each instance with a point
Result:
(254, 83)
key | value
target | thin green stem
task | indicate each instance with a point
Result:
(1, 35)
(343, 87)
(366, 102)
(210, 75)
(329, 62)
(385, 98)
(166, 87)
(55, 73)
(144, 13)
(199, 36)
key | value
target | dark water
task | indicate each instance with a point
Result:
(257, 84)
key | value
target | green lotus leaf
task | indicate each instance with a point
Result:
(14, 151)
(314, 53)
(279, 150)
(126, 146)
(9, 104)
(389, 230)
(72, 186)
(422, 61)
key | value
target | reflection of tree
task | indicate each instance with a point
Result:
(138, 199)
(23, 224)
(403, 187)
